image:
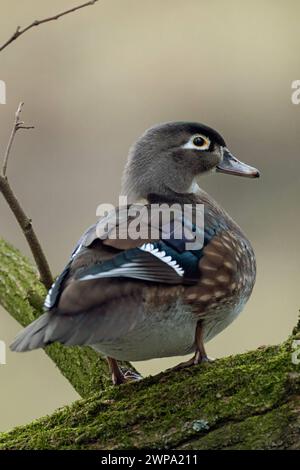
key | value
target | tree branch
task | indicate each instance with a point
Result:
(18, 124)
(24, 222)
(243, 402)
(19, 31)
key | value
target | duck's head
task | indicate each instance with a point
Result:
(169, 158)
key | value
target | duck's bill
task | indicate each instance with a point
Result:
(233, 166)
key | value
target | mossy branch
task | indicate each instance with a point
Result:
(22, 294)
(249, 401)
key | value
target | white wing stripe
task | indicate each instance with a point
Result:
(149, 247)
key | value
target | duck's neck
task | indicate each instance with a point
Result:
(194, 195)
(138, 185)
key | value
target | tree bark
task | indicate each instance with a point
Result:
(249, 401)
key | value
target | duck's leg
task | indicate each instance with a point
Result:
(200, 354)
(118, 375)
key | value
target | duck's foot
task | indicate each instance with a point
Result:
(200, 355)
(182, 365)
(131, 376)
(199, 358)
(120, 376)
(196, 359)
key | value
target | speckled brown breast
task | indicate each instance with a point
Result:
(228, 271)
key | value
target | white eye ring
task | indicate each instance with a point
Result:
(190, 144)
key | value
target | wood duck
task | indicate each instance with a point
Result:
(152, 297)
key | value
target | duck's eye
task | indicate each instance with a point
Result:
(199, 141)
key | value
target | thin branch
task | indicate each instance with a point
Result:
(18, 124)
(24, 222)
(19, 31)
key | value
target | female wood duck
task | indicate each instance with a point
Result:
(137, 299)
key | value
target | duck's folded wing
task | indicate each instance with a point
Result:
(150, 262)
(114, 253)
(94, 306)
(102, 299)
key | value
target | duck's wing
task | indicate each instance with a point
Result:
(108, 251)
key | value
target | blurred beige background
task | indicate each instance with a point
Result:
(92, 82)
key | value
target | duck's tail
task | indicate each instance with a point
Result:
(33, 336)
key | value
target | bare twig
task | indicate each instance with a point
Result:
(19, 31)
(18, 124)
(24, 222)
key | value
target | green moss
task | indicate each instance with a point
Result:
(272, 430)
(18, 283)
(88, 372)
(245, 401)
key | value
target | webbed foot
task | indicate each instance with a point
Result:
(120, 376)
